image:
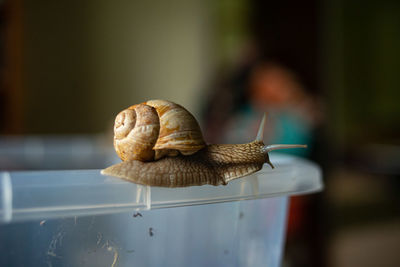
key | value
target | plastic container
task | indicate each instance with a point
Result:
(81, 218)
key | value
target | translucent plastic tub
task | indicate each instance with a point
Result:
(81, 218)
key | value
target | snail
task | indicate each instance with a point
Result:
(161, 144)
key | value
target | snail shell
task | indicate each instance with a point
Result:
(161, 144)
(155, 129)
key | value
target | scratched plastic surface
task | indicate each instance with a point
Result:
(240, 233)
(80, 218)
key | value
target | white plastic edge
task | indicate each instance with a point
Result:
(6, 197)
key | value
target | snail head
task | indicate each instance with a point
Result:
(267, 148)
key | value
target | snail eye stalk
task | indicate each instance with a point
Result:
(269, 148)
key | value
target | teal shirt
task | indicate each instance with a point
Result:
(282, 127)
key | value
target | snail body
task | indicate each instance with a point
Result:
(161, 144)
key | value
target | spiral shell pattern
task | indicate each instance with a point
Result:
(155, 129)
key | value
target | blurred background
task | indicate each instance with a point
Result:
(327, 73)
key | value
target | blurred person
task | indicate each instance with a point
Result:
(266, 87)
